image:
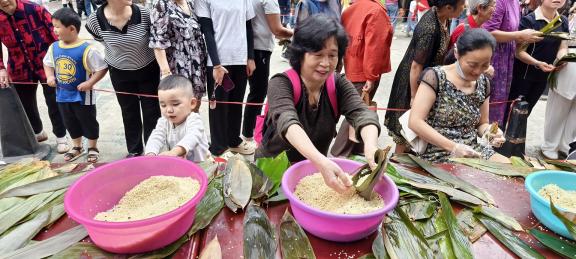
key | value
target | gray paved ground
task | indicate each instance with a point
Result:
(112, 144)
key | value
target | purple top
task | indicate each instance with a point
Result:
(506, 17)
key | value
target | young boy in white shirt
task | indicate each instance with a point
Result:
(179, 132)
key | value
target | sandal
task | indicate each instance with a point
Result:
(93, 155)
(62, 145)
(73, 154)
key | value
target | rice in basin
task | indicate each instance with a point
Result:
(312, 191)
(152, 197)
(560, 197)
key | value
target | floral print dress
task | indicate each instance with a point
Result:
(455, 114)
(179, 34)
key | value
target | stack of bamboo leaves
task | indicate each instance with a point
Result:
(32, 198)
(553, 76)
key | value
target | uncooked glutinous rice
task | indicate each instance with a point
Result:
(561, 198)
(314, 192)
(152, 197)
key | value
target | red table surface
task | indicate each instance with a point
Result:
(509, 194)
(188, 250)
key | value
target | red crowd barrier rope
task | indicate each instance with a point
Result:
(237, 103)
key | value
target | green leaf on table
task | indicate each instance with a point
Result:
(51, 245)
(163, 252)
(84, 250)
(293, 240)
(279, 197)
(566, 166)
(274, 168)
(408, 175)
(261, 184)
(21, 234)
(456, 181)
(404, 159)
(237, 182)
(496, 214)
(420, 209)
(210, 205)
(494, 167)
(405, 190)
(571, 226)
(378, 248)
(400, 240)
(20, 211)
(471, 227)
(557, 245)
(259, 237)
(459, 242)
(454, 194)
(507, 237)
(519, 162)
(45, 185)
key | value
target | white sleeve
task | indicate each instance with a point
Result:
(271, 6)
(157, 139)
(95, 60)
(202, 9)
(249, 10)
(194, 133)
(49, 58)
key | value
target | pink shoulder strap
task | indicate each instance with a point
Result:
(330, 87)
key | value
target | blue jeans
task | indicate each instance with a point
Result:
(392, 10)
(88, 7)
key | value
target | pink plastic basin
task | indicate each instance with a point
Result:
(331, 226)
(100, 189)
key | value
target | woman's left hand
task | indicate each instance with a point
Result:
(495, 139)
(250, 67)
(369, 151)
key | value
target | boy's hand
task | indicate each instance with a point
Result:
(51, 81)
(85, 86)
(4, 78)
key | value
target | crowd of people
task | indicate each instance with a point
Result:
(463, 55)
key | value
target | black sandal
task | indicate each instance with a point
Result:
(93, 155)
(73, 154)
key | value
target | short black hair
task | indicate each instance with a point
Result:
(68, 17)
(442, 3)
(475, 39)
(176, 82)
(311, 35)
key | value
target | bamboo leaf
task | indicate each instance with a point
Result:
(259, 238)
(410, 191)
(460, 244)
(454, 180)
(368, 256)
(15, 214)
(279, 197)
(471, 227)
(293, 240)
(46, 185)
(557, 245)
(453, 193)
(237, 184)
(9, 179)
(420, 209)
(498, 215)
(366, 188)
(23, 233)
(163, 252)
(400, 242)
(212, 250)
(519, 162)
(411, 226)
(419, 178)
(54, 200)
(261, 184)
(210, 205)
(404, 159)
(50, 246)
(66, 168)
(506, 237)
(566, 166)
(274, 169)
(85, 250)
(571, 226)
(378, 248)
(494, 167)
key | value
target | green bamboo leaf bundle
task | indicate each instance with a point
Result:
(378, 248)
(555, 244)
(22, 234)
(15, 214)
(519, 162)
(274, 169)
(571, 226)
(454, 194)
(210, 205)
(494, 213)
(259, 237)
(237, 183)
(9, 178)
(84, 250)
(458, 241)
(551, 26)
(261, 184)
(564, 165)
(401, 241)
(494, 167)
(293, 240)
(507, 237)
(420, 209)
(41, 186)
(553, 76)
(49, 246)
(454, 180)
(470, 226)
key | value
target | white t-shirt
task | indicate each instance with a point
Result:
(263, 36)
(229, 19)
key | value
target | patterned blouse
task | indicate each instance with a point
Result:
(179, 34)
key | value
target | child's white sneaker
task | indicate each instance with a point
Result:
(62, 145)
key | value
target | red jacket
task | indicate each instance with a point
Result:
(370, 34)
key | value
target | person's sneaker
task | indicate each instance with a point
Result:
(62, 145)
(244, 148)
(42, 136)
(549, 154)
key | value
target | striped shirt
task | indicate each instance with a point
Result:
(126, 49)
